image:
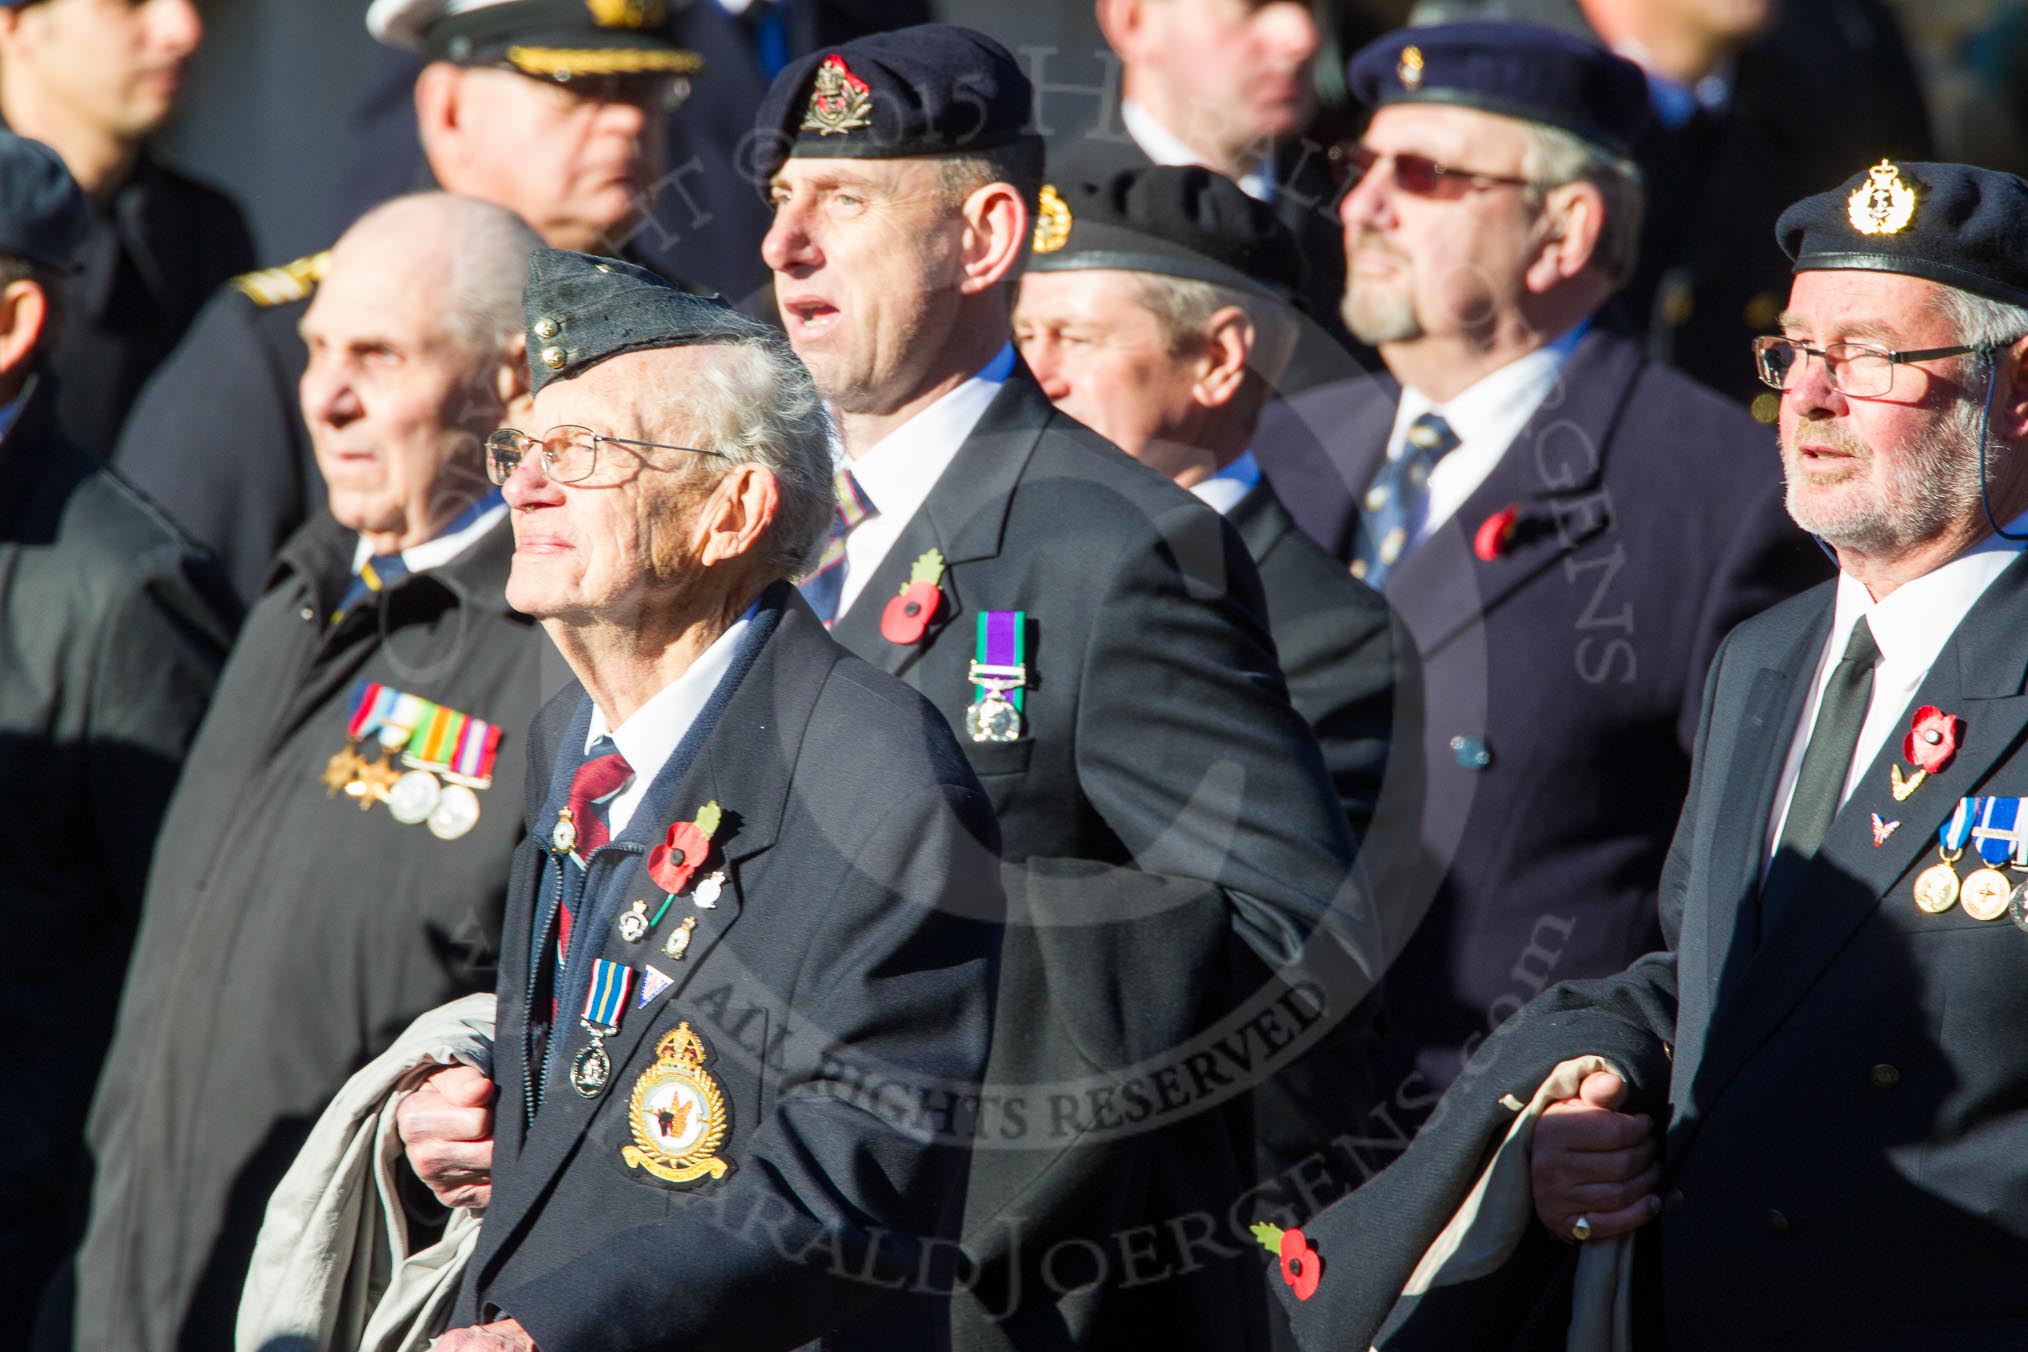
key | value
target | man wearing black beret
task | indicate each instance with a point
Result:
(1798, 1123)
(1096, 637)
(746, 978)
(1567, 528)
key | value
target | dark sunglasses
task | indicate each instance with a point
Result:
(1416, 175)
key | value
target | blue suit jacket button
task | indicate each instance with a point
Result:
(1472, 752)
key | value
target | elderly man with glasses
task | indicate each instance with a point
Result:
(1798, 1123)
(1566, 528)
(748, 971)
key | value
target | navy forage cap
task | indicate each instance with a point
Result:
(581, 309)
(1521, 70)
(43, 214)
(1952, 223)
(1180, 221)
(555, 39)
(935, 89)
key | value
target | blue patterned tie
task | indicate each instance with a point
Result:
(1398, 501)
(826, 582)
(374, 576)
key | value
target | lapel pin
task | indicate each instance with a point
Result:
(1496, 533)
(1930, 746)
(908, 614)
(1882, 830)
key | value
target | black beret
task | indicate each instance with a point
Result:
(43, 214)
(1178, 220)
(1951, 223)
(581, 309)
(555, 39)
(935, 89)
(1523, 70)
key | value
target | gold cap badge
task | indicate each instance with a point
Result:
(1883, 204)
(839, 100)
(1052, 221)
(628, 13)
(1410, 68)
(678, 1115)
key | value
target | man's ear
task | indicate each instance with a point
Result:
(1573, 218)
(24, 317)
(510, 381)
(1124, 24)
(20, 28)
(996, 232)
(2010, 398)
(1227, 343)
(438, 112)
(737, 514)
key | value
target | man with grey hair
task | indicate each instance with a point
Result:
(331, 864)
(1567, 529)
(750, 942)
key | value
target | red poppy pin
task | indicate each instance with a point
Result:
(908, 615)
(683, 851)
(1302, 1269)
(1930, 746)
(1495, 533)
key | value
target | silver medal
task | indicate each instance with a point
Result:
(456, 812)
(414, 796)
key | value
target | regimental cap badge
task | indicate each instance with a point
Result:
(628, 13)
(1883, 204)
(1052, 221)
(678, 1113)
(839, 100)
(1409, 68)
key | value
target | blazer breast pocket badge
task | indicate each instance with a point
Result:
(999, 677)
(678, 1114)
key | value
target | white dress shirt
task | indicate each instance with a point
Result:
(435, 553)
(1486, 417)
(1224, 489)
(898, 471)
(650, 737)
(1160, 145)
(1910, 627)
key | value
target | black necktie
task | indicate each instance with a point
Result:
(1826, 762)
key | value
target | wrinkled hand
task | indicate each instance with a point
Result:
(1588, 1159)
(447, 1125)
(505, 1336)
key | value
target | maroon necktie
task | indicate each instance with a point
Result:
(592, 789)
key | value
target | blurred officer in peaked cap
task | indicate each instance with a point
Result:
(1097, 637)
(112, 628)
(748, 968)
(550, 108)
(1794, 1125)
(94, 81)
(1567, 528)
(333, 860)
(1752, 99)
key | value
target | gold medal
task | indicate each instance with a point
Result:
(1936, 888)
(678, 942)
(341, 770)
(1984, 894)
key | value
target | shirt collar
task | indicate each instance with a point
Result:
(1163, 147)
(10, 412)
(1493, 410)
(1224, 489)
(650, 736)
(897, 472)
(459, 534)
(1911, 624)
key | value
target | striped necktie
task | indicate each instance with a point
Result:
(602, 778)
(1398, 502)
(375, 575)
(826, 582)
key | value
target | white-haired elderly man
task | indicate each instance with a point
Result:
(330, 865)
(748, 966)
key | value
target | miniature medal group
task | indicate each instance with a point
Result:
(678, 1115)
(428, 765)
(1995, 828)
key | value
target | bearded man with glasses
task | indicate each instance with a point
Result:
(1567, 528)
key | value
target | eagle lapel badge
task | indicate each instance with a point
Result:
(678, 1114)
(839, 100)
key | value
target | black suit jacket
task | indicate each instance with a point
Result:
(1168, 825)
(842, 985)
(1841, 1158)
(1650, 520)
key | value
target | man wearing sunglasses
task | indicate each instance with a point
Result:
(550, 108)
(1797, 1124)
(1567, 528)
(334, 858)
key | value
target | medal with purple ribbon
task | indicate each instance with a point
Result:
(998, 676)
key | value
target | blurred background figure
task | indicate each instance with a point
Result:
(93, 79)
(1754, 101)
(112, 629)
(551, 111)
(335, 858)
